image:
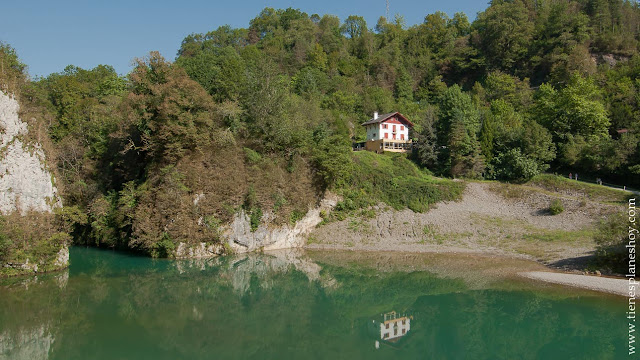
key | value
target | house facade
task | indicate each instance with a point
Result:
(394, 326)
(390, 328)
(388, 132)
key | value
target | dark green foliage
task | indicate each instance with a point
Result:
(164, 248)
(426, 147)
(514, 166)
(254, 218)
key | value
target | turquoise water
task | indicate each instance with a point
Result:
(292, 306)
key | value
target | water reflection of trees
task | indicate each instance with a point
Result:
(284, 305)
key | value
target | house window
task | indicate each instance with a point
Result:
(401, 128)
(402, 138)
(404, 331)
(384, 126)
(374, 135)
(387, 326)
(395, 331)
(394, 136)
(386, 135)
(394, 128)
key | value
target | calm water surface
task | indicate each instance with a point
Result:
(293, 305)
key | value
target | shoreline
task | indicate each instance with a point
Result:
(608, 285)
(603, 284)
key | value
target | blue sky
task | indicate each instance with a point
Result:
(49, 35)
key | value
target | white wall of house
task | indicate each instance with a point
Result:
(387, 131)
(395, 328)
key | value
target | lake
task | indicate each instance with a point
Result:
(297, 305)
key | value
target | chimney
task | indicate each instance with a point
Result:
(375, 115)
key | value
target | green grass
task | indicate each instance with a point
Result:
(553, 185)
(394, 180)
(561, 236)
(591, 191)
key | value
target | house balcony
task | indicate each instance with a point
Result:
(397, 145)
(382, 145)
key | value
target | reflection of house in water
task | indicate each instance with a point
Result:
(391, 327)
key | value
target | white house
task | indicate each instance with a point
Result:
(394, 326)
(390, 328)
(388, 132)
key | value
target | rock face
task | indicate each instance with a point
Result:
(201, 251)
(25, 183)
(268, 237)
(32, 344)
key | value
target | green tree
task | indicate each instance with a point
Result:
(171, 113)
(574, 110)
(503, 33)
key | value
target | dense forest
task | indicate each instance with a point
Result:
(264, 117)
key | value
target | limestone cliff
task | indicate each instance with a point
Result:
(239, 237)
(25, 183)
(267, 237)
(28, 196)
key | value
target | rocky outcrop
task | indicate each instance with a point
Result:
(241, 268)
(30, 344)
(25, 183)
(609, 59)
(27, 186)
(202, 250)
(271, 237)
(241, 239)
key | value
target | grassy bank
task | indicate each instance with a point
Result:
(391, 179)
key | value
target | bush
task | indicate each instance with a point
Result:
(252, 156)
(556, 207)
(254, 217)
(165, 247)
(295, 216)
(515, 166)
(611, 237)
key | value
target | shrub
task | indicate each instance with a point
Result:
(556, 207)
(295, 216)
(515, 166)
(165, 247)
(611, 237)
(253, 157)
(254, 218)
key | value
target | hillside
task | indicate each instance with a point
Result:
(257, 123)
(492, 218)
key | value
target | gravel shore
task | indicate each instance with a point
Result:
(481, 222)
(486, 223)
(603, 284)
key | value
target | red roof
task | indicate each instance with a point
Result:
(384, 117)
